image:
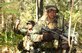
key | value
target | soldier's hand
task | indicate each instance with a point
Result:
(47, 37)
(39, 38)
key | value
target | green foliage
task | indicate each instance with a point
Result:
(10, 11)
(28, 11)
(4, 4)
(12, 39)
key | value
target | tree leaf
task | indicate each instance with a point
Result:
(4, 4)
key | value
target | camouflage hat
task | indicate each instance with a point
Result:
(52, 7)
(31, 22)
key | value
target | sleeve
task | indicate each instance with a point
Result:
(20, 31)
(36, 31)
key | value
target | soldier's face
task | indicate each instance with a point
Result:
(29, 26)
(51, 14)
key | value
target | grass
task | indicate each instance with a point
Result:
(11, 41)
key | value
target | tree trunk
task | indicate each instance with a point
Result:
(37, 13)
(70, 22)
(41, 8)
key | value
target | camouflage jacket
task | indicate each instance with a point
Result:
(52, 24)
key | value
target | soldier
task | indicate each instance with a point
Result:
(26, 44)
(44, 40)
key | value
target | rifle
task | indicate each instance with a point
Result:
(60, 34)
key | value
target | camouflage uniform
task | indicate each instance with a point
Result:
(47, 46)
(26, 45)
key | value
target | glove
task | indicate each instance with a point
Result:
(47, 37)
